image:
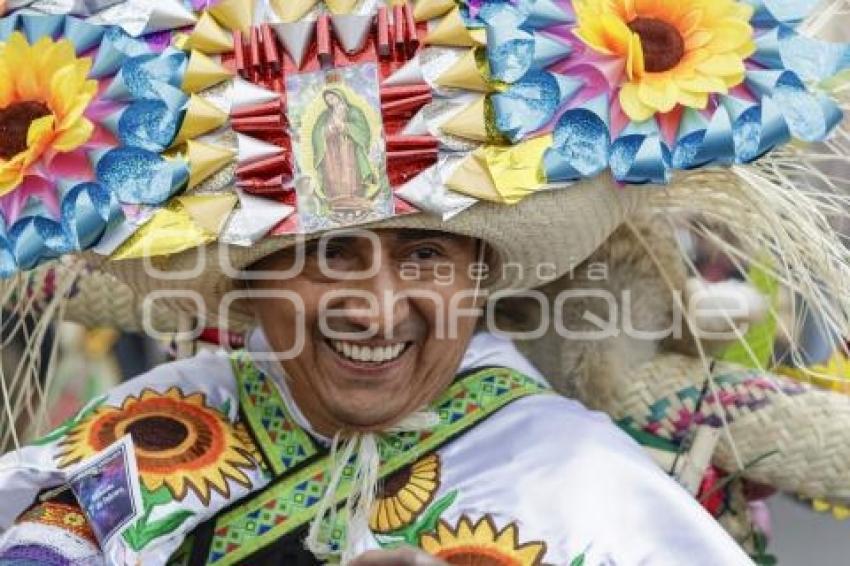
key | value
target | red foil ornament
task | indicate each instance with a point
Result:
(272, 107)
(324, 49)
(385, 49)
(258, 123)
(256, 58)
(270, 48)
(411, 35)
(239, 53)
(398, 28)
(271, 166)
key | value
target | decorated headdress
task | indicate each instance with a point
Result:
(192, 138)
(153, 132)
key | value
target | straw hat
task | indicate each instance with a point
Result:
(557, 229)
(490, 121)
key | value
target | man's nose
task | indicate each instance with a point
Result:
(377, 302)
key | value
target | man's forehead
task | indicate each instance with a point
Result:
(398, 235)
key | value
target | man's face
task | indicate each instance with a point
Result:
(385, 321)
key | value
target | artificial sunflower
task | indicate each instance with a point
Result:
(405, 494)
(481, 544)
(179, 441)
(675, 51)
(44, 92)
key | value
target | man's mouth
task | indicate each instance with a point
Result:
(362, 353)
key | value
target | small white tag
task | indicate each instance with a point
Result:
(107, 489)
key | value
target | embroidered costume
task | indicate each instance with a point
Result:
(472, 486)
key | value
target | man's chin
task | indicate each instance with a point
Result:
(368, 417)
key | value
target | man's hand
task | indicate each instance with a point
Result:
(398, 557)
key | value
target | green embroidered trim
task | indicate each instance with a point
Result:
(283, 443)
(290, 503)
(647, 439)
(183, 554)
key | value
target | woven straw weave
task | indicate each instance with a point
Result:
(97, 298)
(806, 426)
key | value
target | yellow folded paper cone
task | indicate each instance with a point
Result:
(469, 123)
(517, 171)
(234, 14)
(467, 73)
(472, 178)
(429, 9)
(169, 231)
(338, 7)
(201, 117)
(205, 160)
(292, 10)
(209, 212)
(452, 32)
(209, 37)
(203, 72)
(180, 41)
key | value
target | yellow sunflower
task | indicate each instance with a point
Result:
(481, 544)
(675, 51)
(43, 95)
(405, 494)
(179, 442)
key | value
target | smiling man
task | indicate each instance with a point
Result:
(375, 417)
(371, 420)
(383, 332)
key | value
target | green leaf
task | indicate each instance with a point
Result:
(142, 533)
(579, 560)
(53, 435)
(428, 521)
(159, 496)
(132, 535)
(760, 337)
(225, 408)
(168, 523)
(389, 542)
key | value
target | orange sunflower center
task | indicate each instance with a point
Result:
(476, 557)
(663, 45)
(15, 122)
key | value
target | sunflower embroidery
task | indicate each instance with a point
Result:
(481, 544)
(674, 52)
(405, 494)
(180, 442)
(44, 92)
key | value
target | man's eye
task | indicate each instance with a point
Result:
(330, 254)
(334, 252)
(425, 253)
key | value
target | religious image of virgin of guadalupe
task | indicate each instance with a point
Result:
(341, 141)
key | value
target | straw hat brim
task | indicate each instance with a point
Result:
(556, 228)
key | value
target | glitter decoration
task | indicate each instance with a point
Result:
(139, 176)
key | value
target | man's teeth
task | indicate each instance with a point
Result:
(362, 353)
